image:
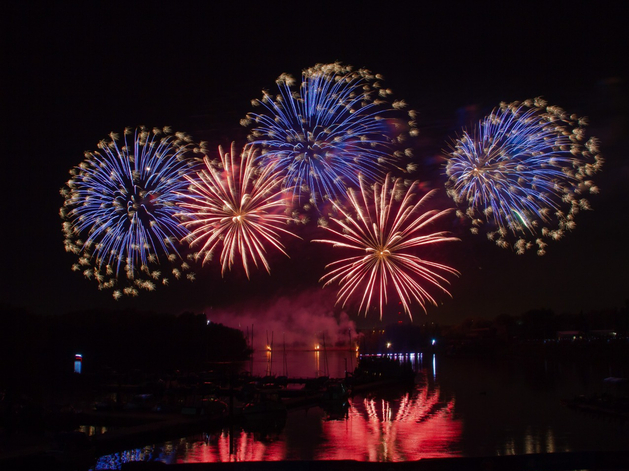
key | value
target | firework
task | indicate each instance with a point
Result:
(120, 205)
(523, 172)
(336, 125)
(386, 233)
(236, 204)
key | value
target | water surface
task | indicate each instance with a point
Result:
(458, 407)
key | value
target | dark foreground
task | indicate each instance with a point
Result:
(540, 462)
(592, 461)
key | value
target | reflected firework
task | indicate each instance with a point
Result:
(120, 205)
(235, 204)
(523, 173)
(386, 230)
(337, 124)
(420, 424)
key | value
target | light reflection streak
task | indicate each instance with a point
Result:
(247, 446)
(418, 425)
(550, 441)
(533, 442)
(147, 453)
(409, 426)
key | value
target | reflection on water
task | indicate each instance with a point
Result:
(148, 453)
(409, 426)
(534, 441)
(456, 408)
(92, 430)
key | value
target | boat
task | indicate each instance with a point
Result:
(335, 391)
(265, 411)
(613, 402)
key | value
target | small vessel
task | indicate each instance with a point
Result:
(335, 391)
(266, 411)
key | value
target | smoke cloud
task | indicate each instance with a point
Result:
(301, 322)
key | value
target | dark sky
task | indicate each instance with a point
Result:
(71, 75)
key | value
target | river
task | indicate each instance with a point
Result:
(458, 407)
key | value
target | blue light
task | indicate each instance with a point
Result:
(78, 361)
(322, 134)
(121, 205)
(523, 173)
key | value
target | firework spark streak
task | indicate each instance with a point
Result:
(386, 233)
(337, 124)
(238, 205)
(120, 205)
(523, 171)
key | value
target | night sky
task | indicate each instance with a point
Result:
(71, 75)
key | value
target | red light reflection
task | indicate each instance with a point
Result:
(414, 425)
(417, 426)
(247, 446)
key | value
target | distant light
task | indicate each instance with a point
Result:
(208, 322)
(434, 341)
(78, 360)
(388, 344)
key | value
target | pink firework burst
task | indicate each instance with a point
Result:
(387, 231)
(236, 207)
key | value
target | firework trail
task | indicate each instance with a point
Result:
(234, 203)
(336, 125)
(120, 205)
(523, 172)
(386, 232)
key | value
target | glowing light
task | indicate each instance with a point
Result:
(78, 361)
(523, 173)
(386, 233)
(417, 425)
(120, 205)
(337, 124)
(236, 205)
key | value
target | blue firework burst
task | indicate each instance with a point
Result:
(523, 173)
(120, 206)
(337, 124)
